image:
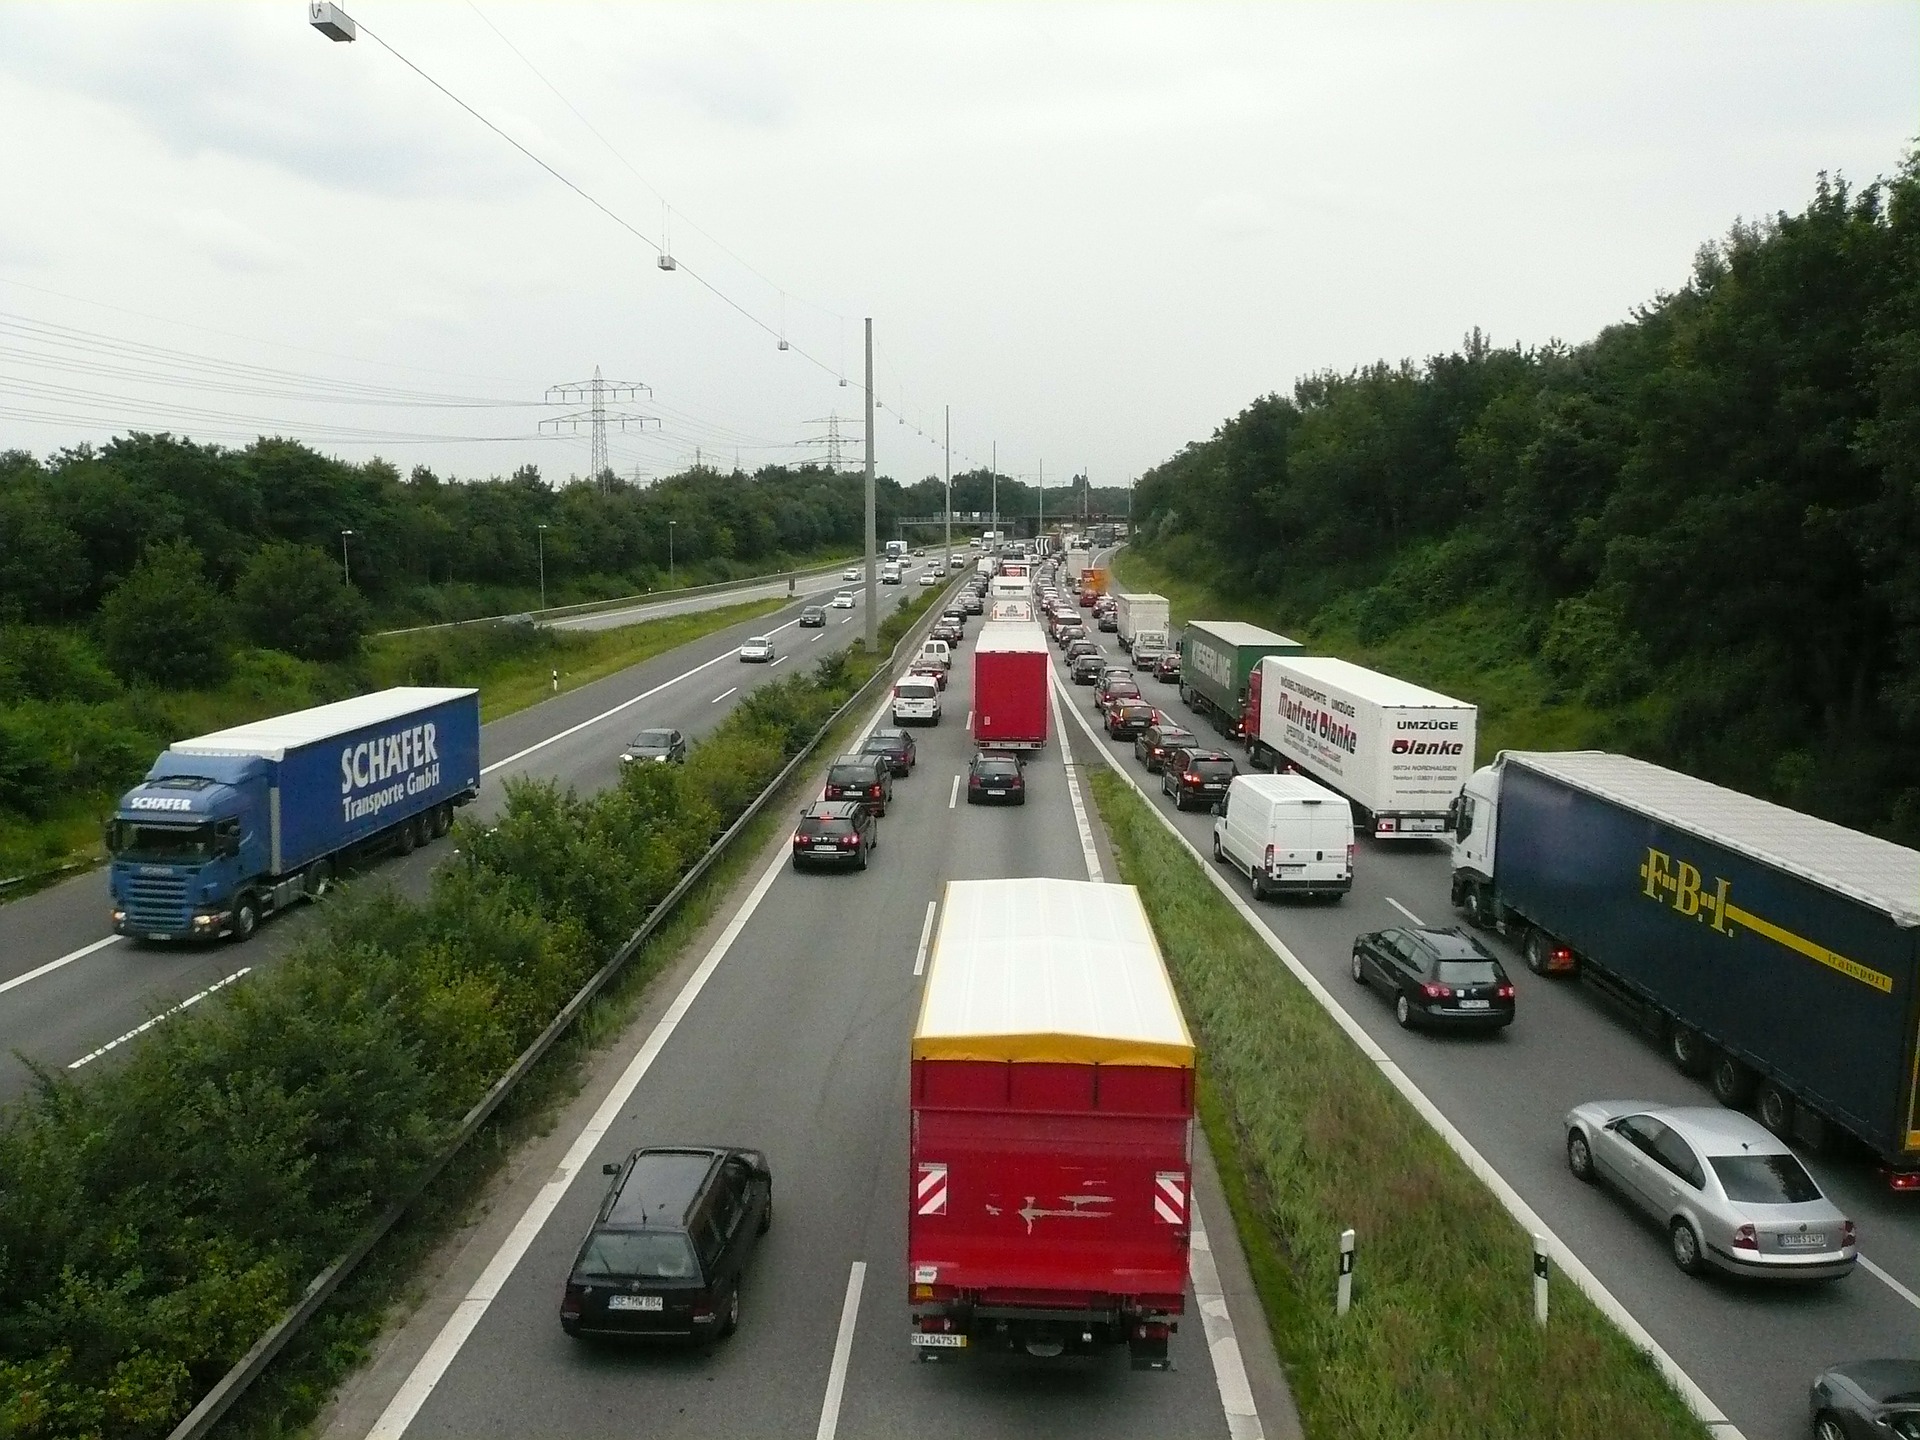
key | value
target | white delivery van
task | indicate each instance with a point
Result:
(936, 652)
(1287, 835)
(916, 700)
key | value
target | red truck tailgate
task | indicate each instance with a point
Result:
(1010, 677)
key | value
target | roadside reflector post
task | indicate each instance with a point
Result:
(1540, 1279)
(556, 682)
(1343, 1299)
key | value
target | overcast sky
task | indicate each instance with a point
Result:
(1095, 231)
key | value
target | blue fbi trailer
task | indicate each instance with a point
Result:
(1776, 955)
(234, 825)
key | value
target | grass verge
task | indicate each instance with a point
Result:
(1311, 1139)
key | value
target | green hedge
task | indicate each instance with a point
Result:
(157, 1214)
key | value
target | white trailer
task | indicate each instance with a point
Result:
(1142, 611)
(1400, 752)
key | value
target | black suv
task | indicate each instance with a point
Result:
(666, 1251)
(896, 745)
(1087, 667)
(835, 832)
(866, 778)
(1151, 745)
(1190, 774)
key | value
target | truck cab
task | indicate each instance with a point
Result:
(182, 841)
(1470, 824)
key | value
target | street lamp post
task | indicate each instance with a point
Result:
(947, 564)
(346, 572)
(540, 534)
(670, 525)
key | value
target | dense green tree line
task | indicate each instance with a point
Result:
(1709, 513)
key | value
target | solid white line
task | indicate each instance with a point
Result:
(953, 795)
(722, 695)
(1570, 1264)
(1229, 1368)
(163, 1015)
(1892, 1284)
(623, 705)
(781, 661)
(66, 959)
(1406, 912)
(842, 1352)
(926, 934)
(432, 1366)
(1087, 852)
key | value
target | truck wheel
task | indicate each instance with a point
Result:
(1257, 883)
(1536, 951)
(1218, 853)
(1689, 1053)
(1732, 1082)
(318, 879)
(442, 820)
(246, 918)
(403, 838)
(1775, 1108)
(1476, 899)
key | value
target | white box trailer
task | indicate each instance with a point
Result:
(1399, 751)
(1142, 611)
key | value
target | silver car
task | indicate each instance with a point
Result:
(1730, 1193)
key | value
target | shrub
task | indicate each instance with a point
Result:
(291, 598)
(166, 622)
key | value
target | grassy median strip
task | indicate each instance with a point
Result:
(1311, 1139)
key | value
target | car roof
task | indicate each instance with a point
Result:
(661, 1185)
(854, 758)
(1712, 1130)
(1451, 944)
(1197, 752)
(832, 810)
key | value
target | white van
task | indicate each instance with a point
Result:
(1287, 835)
(936, 652)
(916, 700)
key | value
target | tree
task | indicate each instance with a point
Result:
(292, 598)
(166, 622)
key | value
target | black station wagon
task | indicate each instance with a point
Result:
(667, 1250)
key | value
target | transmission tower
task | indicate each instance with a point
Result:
(832, 439)
(597, 392)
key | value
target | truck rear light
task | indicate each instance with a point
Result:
(933, 1324)
(1351, 848)
(1745, 1239)
(1269, 857)
(1435, 991)
(1152, 1330)
(1903, 1179)
(1849, 1234)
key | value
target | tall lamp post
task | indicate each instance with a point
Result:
(346, 573)
(540, 534)
(670, 525)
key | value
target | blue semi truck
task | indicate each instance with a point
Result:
(1775, 954)
(229, 827)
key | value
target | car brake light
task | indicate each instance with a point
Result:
(873, 790)
(702, 1310)
(1436, 992)
(570, 1303)
(798, 838)
(849, 839)
(1903, 1179)
(1745, 1239)
(1505, 992)
(1190, 778)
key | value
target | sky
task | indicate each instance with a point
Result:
(1094, 232)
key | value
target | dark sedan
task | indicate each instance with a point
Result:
(996, 778)
(813, 617)
(1867, 1400)
(1151, 745)
(835, 832)
(1127, 718)
(1087, 668)
(1167, 667)
(1113, 690)
(972, 603)
(896, 745)
(1191, 775)
(1435, 977)
(666, 745)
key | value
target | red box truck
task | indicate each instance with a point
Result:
(1011, 670)
(1052, 1094)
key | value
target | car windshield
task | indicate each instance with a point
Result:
(642, 1254)
(653, 740)
(161, 844)
(1469, 972)
(1764, 1179)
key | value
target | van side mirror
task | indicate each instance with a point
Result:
(1219, 807)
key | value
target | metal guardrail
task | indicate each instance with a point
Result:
(589, 607)
(216, 1402)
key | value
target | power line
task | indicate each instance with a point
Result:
(598, 391)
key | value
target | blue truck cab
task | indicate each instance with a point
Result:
(228, 827)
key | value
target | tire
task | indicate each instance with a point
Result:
(766, 1218)
(1218, 853)
(866, 853)
(1476, 906)
(730, 1314)
(404, 839)
(1827, 1427)
(1359, 973)
(1684, 1245)
(1536, 951)
(1402, 1012)
(1257, 884)
(1775, 1107)
(443, 820)
(318, 879)
(1732, 1082)
(1579, 1156)
(246, 918)
(1690, 1054)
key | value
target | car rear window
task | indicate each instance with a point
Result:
(643, 1254)
(851, 775)
(997, 767)
(1213, 769)
(1764, 1179)
(1468, 972)
(827, 827)
(917, 689)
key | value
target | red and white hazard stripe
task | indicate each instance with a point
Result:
(1170, 1196)
(930, 1194)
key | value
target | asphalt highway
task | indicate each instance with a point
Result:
(801, 582)
(62, 1001)
(798, 1045)
(1753, 1348)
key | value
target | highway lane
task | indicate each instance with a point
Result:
(801, 582)
(1752, 1348)
(60, 1016)
(798, 1044)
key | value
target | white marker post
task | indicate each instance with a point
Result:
(1540, 1279)
(556, 682)
(1344, 1298)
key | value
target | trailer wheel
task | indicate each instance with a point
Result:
(1536, 951)
(1775, 1108)
(442, 820)
(403, 838)
(1732, 1082)
(1689, 1053)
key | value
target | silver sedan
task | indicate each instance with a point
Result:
(1730, 1194)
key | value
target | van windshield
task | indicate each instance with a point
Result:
(642, 1254)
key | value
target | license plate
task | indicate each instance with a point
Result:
(996, 792)
(1475, 1004)
(1293, 869)
(1421, 824)
(633, 1302)
(826, 849)
(156, 937)
(939, 1342)
(1803, 1242)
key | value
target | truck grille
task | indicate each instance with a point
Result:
(157, 902)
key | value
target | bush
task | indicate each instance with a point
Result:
(38, 662)
(166, 623)
(291, 598)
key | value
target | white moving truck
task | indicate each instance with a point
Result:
(1400, 752)
(1143, 611)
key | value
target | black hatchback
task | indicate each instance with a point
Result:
(1190, 774)
(835, 832)
(670, 1243)
(896, 745)
(866, 778)
(1435, 977)
(996, 778)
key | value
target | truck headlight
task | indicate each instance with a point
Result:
(119, 915)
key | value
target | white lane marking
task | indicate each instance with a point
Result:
(1570, 1264)
(432, 1366)
(1229, 1368)
(66, 959)
(782, 660)
(953, 795)
(1406, 912)
(1087, 851)
(926, 934)
(842, 1352)
(163, 1015)
(623, 705)
(1892, 1284)
(818, 638)
(967, 724)
(722, 695)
